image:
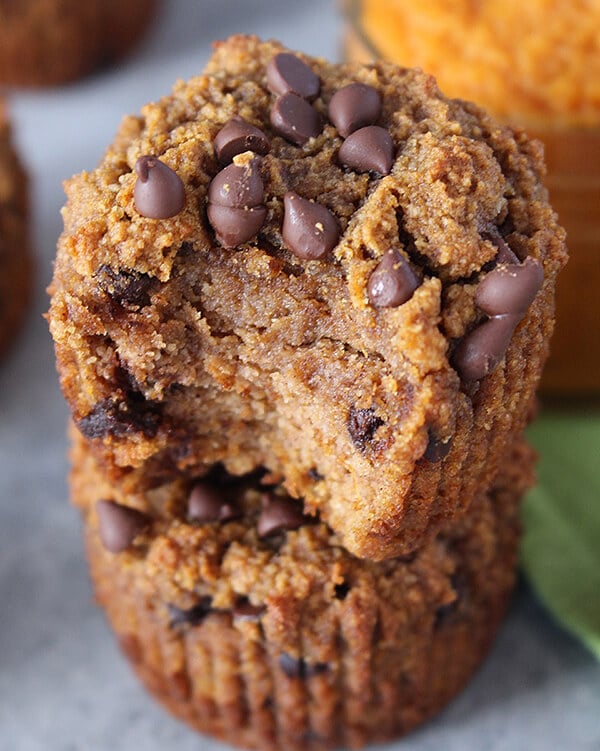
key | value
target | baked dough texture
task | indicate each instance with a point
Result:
(286, 642)
(180, 347)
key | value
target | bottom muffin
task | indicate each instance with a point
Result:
(250, 622)
(15, 261)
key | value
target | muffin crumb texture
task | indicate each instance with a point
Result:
(249, 621)
(329, 271)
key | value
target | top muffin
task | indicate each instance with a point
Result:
(330, 271)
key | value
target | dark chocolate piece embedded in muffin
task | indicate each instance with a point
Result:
(312, 313)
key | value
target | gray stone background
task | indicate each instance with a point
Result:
(63, 684)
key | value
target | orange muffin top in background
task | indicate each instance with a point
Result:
(535, 62)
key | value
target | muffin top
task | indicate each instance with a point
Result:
(313, 268)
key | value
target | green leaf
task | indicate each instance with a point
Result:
(561, 546)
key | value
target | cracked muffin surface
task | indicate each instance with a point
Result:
(264, 271)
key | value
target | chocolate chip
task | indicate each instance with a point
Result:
(369, 149)
(340, 591)
(436, 448)
(362, 425)
(287, 73)
(309, 230)
(158, 191)
(235, 226)
(295, 119)
(119, 525)
(237, 186)
(505, 254)
(510, 289)
(207, 504)
(299, 668)
(392, 282)
(245, 611)
(279, 515)
(128, 288)
(353, 107)
(315, 475)
(481, 351)
(238, 136)
(118, 418)
(446, 613)
(191, 616)
(234, 209)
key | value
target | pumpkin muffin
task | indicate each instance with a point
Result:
(250, 622)
(330, 271)
(49, 42)
(15, 259)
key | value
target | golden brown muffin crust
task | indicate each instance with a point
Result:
(289, 642)
(176, 353)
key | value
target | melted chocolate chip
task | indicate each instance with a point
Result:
(481, 350)
(287, 73)
(245, 611)
(158, 191)
(436, 448)
(128, 288)
(392, 282)
(510, 289)
(353, 107)
(315, 475)
(111, 417)
(191, 616)
(279, 515)
(238, 136)
(369, 149)
(309, 230)
(239, 187)
(299, 668)
(119, 525)
(235, 226)
(295, 119)
(207, 504)
(362, 425)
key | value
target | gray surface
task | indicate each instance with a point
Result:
(63, 685)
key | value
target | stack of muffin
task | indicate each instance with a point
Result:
(300, 311)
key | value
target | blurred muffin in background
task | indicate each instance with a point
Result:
(535, 64)
(15, 261)
(49, 42)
